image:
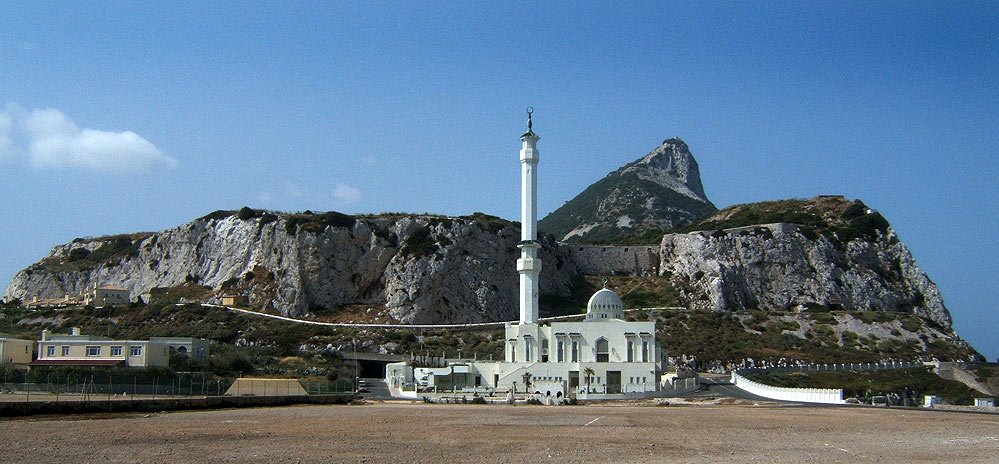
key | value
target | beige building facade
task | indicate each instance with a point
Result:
(108, 295)
(76, 349)
(16, 352)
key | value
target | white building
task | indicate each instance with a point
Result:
(604, 356)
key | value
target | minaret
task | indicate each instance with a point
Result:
(529, 265)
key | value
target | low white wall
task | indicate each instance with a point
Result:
(802, 395)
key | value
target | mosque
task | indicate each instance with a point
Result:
(603, 356)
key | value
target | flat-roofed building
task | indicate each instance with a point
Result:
(16, 351)
(108, 295)
(235, 300)
(76, 349)
(195, 349)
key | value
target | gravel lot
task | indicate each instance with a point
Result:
(426, 433)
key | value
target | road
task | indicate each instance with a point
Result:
(377, 389)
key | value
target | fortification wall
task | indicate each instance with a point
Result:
(614, 259)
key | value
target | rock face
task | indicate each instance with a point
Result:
(659, 191)
(781, 268)
(422, 269)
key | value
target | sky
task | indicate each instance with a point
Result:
(120, 117)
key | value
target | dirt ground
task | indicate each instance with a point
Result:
(399, 432)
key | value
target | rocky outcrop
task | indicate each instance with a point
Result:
(421, 268)
(426, 269)
(771, 268)
(659, 191)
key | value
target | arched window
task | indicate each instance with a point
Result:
(603, 351)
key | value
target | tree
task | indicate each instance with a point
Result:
(589, 373)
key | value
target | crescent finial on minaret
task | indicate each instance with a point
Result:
(530, 124)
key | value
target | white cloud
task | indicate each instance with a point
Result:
(55, 141)
(265, 198)
(6, 135)
(344, 192)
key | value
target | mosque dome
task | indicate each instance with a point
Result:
(605, 304)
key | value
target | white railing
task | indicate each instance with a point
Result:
(803, 395)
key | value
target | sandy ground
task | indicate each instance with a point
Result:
(426, 433)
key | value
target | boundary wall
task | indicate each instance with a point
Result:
(803, 395)
(27, 408)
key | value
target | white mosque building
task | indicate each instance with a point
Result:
(603, 356)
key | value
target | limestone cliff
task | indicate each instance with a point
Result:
(422, 269)
(837, 254)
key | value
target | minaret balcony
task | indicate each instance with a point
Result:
(528, 264)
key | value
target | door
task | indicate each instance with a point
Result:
(613, 382)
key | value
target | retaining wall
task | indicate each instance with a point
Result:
(802, 395)
(614, 259)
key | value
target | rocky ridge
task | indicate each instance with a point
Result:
(657, 192)
(428, 269)
(422, 269)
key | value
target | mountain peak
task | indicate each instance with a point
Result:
(672, 166)
(658, 191)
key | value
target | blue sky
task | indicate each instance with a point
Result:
(126, 116)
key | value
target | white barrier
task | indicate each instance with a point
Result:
(802, 395)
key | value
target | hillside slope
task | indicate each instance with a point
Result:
(659, 191)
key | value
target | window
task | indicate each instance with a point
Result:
(645, 351)
(93, 351)
(65, 351)
(513, 351)
(544, 350)
(528, 349)
(50, 350)
(575, 351)
(603, 353)
(560, 351)
(115, 351)
(631, 351)
(135, 351)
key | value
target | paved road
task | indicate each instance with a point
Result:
(722, 386)
(377, 389)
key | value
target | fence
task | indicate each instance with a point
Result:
(102, 385)
(839, 367)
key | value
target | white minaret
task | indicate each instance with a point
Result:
(529, 265)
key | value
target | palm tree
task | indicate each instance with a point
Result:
(589, 373)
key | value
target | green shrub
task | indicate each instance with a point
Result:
(78, 254)
(246, 213)
(216, 215)
(420, 243)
